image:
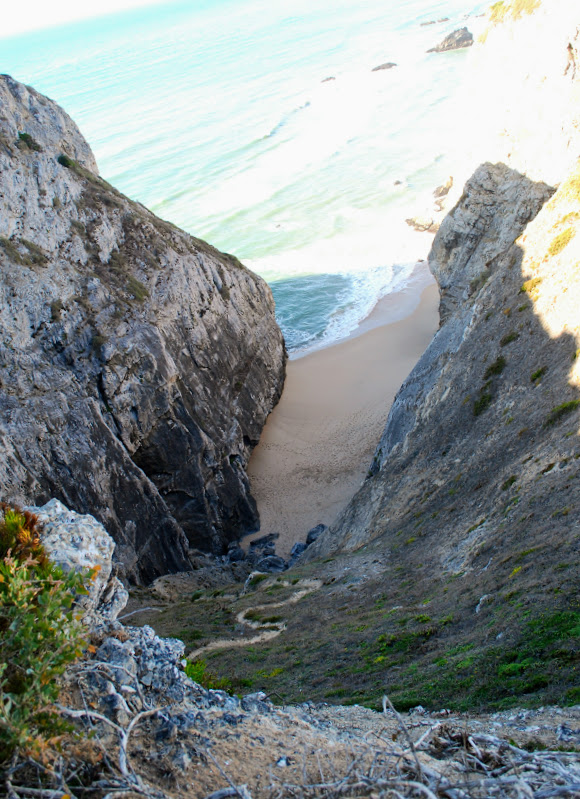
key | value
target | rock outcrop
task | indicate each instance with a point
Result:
(469, 511)
(454, 41)
(138, 363)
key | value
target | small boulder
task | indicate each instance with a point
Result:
(315, 533)
(387, 65)
(455, 41)
(297, 549)
(235, 553)
(272, 564)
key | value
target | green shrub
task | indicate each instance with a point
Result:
(26, 140)
(496, 367)
(480, 405)
(562, 410)
(64, 160)
(508, 338)
(40, 636)
(197, 671)
(509, 482)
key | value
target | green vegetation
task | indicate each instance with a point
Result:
(496, 367)
(509, 482)
(562, 410)
(41, 635)
(64, 160)
(197, 671)
(25, 141)
(34, 255)
(484, 401)
(539, 373)
(508, 338)
(561, 241)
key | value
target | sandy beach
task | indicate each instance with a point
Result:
(318, 442)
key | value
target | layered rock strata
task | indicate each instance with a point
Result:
(138, 364)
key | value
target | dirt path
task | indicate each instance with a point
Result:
(270, 629)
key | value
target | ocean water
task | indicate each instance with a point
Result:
(219, 116)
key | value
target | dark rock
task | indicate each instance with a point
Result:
(236, 554)
(297, 549)
(387, 65)
(327, 80)
(272, 563)
(455, 41)
(315, 533)
(264, 541)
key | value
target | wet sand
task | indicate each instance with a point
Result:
(319, 441)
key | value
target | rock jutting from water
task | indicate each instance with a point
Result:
(454, 41)
(138, 363)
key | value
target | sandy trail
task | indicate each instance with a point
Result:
(269, 630)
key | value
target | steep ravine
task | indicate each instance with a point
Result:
(138, 364)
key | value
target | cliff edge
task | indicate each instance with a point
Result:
(138, 363)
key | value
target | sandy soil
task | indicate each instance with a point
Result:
(319, 441)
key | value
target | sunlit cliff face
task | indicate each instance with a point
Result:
(519, 110)
(552, 282)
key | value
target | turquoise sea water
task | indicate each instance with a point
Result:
(218, 117)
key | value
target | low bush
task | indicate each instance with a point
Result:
(40, 635)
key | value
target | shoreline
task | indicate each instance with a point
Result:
(319, 440)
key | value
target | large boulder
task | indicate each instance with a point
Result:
(79, 542)
(138, 363)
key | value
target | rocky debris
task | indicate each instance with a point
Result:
(188, 741)
(80, 542)
(454, 41)
(387, 65)
(138, 363)
(441, 192)
(327, 80)
(423, 224)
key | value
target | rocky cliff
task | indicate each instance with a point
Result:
(138, 364)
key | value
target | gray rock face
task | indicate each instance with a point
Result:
(455, 41)
(138, 363)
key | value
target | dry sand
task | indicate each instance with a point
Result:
(319, 441)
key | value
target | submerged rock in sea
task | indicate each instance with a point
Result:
(138, 363)
(455, 41)
(387, 65)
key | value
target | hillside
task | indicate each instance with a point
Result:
(138, 363)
